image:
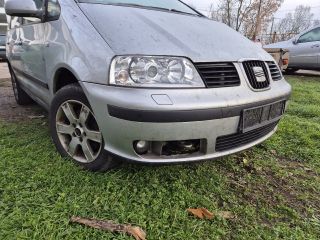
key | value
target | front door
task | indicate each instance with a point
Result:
(305, 53)
(32, 38)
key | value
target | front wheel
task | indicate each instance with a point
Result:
(75, 131)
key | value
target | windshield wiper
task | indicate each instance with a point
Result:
(178, 11)
(154, 7)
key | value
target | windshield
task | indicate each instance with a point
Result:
(171, 5)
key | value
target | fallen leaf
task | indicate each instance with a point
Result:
(245, 161)
(226, 215)
(36, 117)
(201, 213)
(136, 232)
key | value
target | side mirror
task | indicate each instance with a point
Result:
(22, 8)
(295, 41)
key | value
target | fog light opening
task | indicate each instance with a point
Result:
(141, 147)
(172, 148)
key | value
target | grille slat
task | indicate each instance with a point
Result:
(217, 75)
(251, 75)
(275, 71)
(232, 141)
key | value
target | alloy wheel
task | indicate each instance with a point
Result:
(78, 131)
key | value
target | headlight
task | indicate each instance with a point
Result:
(156, 72)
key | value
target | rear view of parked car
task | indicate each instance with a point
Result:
(2, 47)
(304, 50)
(146, 81)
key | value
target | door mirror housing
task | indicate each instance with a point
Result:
(295, 41)
(23, 8)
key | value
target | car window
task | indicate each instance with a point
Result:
(30, 20)
(166, 4)
(53, 9)
(311, 36)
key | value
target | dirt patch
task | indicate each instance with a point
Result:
(10, 111)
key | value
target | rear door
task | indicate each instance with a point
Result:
(305, 54)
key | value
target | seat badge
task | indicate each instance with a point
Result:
(259, 74)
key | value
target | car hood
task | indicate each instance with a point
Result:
(131, 30)
(284, 44)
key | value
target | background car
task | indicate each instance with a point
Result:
(2, 46)
(304, 50)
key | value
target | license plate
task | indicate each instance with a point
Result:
(257, 117)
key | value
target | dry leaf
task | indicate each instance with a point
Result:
(226, 215)
(36, 117)
(201, 213)
(136, 232)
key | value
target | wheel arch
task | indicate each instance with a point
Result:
(63, 77)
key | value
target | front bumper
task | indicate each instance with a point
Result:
(126, 115)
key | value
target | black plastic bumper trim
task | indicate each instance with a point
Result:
(136, 115)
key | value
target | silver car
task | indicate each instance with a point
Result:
(304, 50)
(146, 81)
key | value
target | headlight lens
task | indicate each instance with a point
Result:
(157, 72)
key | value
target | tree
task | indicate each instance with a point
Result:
(231, 12)
(295, 23)
(249, 17)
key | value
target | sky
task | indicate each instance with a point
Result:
(287, 6)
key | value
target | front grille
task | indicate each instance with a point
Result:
(253, 76)
(233, 141)
(274, 70)
(216, 75)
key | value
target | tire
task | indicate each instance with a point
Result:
(75, 132)
(22, 98)
(291, 70)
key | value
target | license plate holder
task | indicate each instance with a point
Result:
(257, 117)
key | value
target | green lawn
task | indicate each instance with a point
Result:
(275, 195)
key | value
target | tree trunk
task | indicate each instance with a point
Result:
(258, 22)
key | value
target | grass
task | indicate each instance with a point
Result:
(276, 195)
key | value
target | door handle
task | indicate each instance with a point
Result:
(316, 46)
